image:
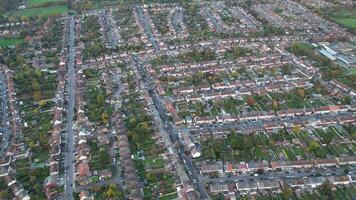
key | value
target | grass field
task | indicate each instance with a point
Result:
(345, 17)
(10, 42)
(353, 70)
(348, 22)
(47, 11)
(32, 3)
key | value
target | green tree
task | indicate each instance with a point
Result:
(42, 103)
(36, 95)
(274, 105)
(151, 178)
(328, 137)
(347, 169)
(313, 146)
(105, 117)
(287, 192)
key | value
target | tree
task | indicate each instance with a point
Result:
(110, 193)
(317, 86)
(353, 135)
(37, 96)
(312, 146)
(287, 192)
(347, 169)
(274, 105)
(154, 150)
(100, 99)
(31, 144)
(151, 178)
(346, 100)
(42, 103)
(301, 92)
(4, 194)
(296, 129)
(43, 138)
(328, 137)
(251, 101)
(38, 73)
(325, 189)
(105, 117)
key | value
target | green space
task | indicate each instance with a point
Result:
(31, 179)
(34, 89)
(154, 163)
(329, 69)
(345, 16)
(194, 56)
(348, 22)
(11, 42)
(100, 158)
(279, 145)
(148, 161)
(322, 192)
(349, 80)
(111, 191)
(41, 12)
(33, 3)
(353, 70)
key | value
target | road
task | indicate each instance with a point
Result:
(177, 20)
(4, 143)
(147, 28)
(243, 125)
(69, 155)
(213, 20)
(107, 26)
(173, 135)
(323, 172)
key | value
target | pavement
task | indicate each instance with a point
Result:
(69, 174)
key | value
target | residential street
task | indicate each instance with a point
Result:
(69, 185)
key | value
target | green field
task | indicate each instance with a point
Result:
(344, 16)
(347, 22)
(32, 3)
(353, 70)
(10, 42)
(47, 11)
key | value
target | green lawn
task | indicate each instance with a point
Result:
(154, 163)
(348, 22)
(32, 3)
(10, 42)
(48, 11)
(344, 16)
(353, 70)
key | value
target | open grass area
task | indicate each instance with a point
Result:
(47, 11)
(10, 42)
(344, 16)
(348, 22)
(32, 3)
(353, 70)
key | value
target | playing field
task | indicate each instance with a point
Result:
(45, 11)
(345, 17)
(348, 22)
(10, 42)
(32, 3)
